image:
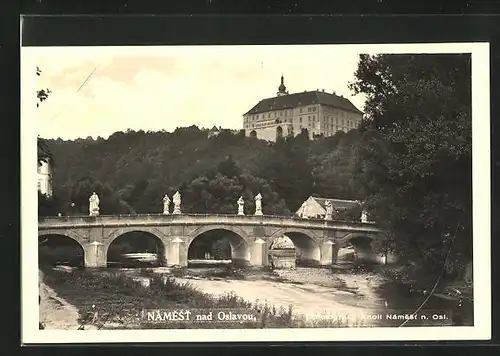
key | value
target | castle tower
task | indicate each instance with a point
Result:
(282, 88)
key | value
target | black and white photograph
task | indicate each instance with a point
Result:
(255, 193)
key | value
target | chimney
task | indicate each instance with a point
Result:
(323, 90)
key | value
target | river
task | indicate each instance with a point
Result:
(314, 292)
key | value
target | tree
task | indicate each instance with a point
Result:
(333, 162)
(416, 152)
(47, 206)
(288, 170)
(110, 203)
(216, 192)
(44, 153)
(228, 168)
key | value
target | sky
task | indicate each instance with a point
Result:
(99, 91)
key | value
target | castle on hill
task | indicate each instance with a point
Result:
(321, 113)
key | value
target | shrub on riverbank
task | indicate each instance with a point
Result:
(120, 300)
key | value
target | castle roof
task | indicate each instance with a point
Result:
(300, 99)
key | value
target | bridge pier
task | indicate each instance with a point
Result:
(259, 253)
(335, 253)
(327, 253)
(95, 256)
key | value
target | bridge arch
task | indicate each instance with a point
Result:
(124, 230)
(61, 247)
(357, 246)
(158, 237)
(306, 243)
(237, 239)
(66, 233)
(342, 242)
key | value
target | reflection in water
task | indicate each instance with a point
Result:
(135, 260)
(402, 296)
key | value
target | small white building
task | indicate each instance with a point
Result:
(315, 207)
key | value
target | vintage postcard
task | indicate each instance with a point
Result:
(255, 193)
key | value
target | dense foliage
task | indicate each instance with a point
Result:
(415, 171)
(132, 171)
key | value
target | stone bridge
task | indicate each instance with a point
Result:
(316, 241)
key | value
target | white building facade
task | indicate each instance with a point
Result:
(45, 185)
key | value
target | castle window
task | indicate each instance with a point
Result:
(300, 120)
(314, 108)
(300, 110)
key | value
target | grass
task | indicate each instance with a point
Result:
(120, 301)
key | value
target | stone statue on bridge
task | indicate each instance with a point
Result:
(177, 203)
(258, 204)
(329, 210)
(364, 216)
(166, 204)
(93, 205)
(241, 204)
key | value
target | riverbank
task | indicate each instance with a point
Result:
(119, 300)
(55, 312)
(300, 297)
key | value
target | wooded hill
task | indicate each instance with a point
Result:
(132, 171)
